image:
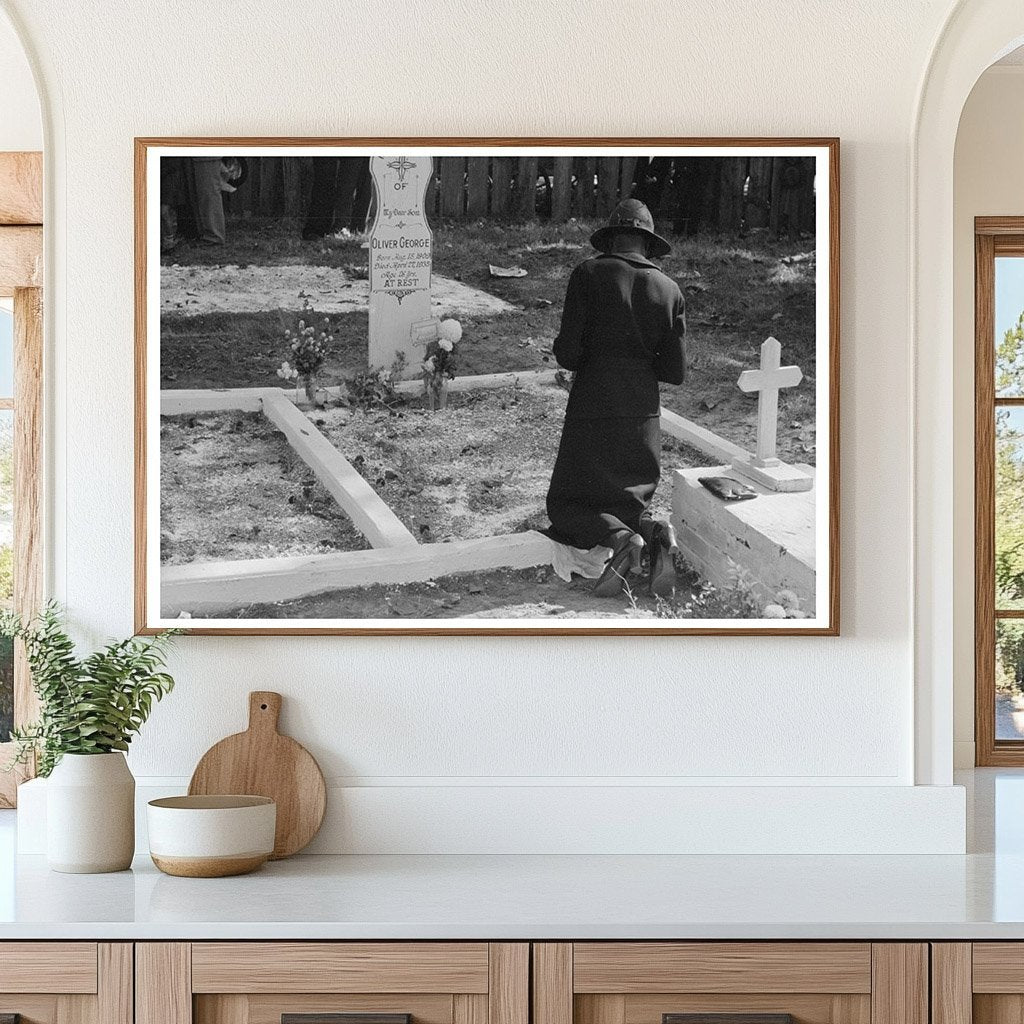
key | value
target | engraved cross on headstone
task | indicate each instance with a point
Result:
(767, 381)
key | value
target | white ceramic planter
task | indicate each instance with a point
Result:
(90, 814)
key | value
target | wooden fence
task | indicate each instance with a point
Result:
(688, 194)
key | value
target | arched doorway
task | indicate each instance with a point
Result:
(977, 33)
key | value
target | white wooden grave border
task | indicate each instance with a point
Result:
(208, 587)
(202, 400)
(205, 588)
(371, 516)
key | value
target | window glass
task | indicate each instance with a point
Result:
(1009, 511)
(1009, 327)
(1009, 679)
(1009, 496)
(6, 353)
(6, 568)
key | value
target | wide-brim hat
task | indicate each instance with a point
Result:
(632, 214)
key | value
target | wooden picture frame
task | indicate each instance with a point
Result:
(351, 493)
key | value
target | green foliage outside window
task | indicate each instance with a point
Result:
(1009, 509)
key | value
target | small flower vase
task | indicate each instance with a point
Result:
(310, 385)
(90, 814)
(437, 396)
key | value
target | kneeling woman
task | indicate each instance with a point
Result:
(623, 329)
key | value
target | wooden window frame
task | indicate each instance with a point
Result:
(993, 237)
(21, 278)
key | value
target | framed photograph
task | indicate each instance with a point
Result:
(496, 386)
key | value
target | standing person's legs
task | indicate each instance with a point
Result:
(655, 185)
(323, 194)
(173, 195)
(348, 177)
(209, 200)
(361, 203)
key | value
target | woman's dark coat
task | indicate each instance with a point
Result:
(623, 330)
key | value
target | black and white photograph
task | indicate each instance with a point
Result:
(400, 386)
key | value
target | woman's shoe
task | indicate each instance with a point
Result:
(662, 581)
(625, 555)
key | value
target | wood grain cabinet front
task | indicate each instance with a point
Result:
(332, 983)
(493, 983)
(978, 983)
(730, 983)
(66, 982)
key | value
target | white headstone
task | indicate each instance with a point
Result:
(400, 253)
(765, 466)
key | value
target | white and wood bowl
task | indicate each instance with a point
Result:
(211, 836)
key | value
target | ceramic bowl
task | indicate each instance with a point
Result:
(211, 836)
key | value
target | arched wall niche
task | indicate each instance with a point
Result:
(986, 182)
(976, 34)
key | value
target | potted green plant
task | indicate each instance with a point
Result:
(90, 708)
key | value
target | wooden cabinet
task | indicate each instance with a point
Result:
(651, 982)
(494, 983)
(262, 982)
(978, 983)
(66, 982)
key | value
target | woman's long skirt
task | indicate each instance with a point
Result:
(604, 478)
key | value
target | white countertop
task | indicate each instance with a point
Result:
(978, 896)
(516, 897)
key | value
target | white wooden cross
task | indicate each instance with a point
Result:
(766, 382)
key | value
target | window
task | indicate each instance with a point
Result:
(6, 511)
(21, 366)
(999, 490)
(20, 501)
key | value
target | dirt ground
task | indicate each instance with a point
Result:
(233, 488)
(496, 594)
(738, 291)
(232, 289)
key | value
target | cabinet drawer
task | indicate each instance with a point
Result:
(66, 982)
(340, 967)
(998, 967)
(332, 983)
(635, 967)
(58, 967)
(730, 983)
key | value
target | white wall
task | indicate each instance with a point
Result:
(21, 126)
(988, 180)
(434, 715)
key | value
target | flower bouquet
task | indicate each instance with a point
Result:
(439, 363)
(309, 351)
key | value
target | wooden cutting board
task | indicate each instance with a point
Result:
(262, 762)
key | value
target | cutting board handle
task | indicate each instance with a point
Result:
(264, 710)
